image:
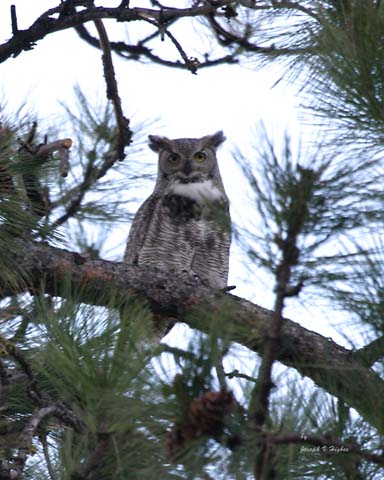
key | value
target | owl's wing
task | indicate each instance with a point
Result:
(139, 229)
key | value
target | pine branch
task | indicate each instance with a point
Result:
(295, 212)
(228, 38)
(44, 443)
(100, 282)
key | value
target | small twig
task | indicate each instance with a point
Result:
(140, 50)
(124, 134)
(236, 374)
(29, 431)
(15, 28)
(192, 63)
(17, 355)
(44, 443)
(92, 462)
(6, 181)
(7, 186)
(11, 349)
(90, 176)
(32, 134)
(4, 377)
(175, 351)
(26, 438)
(38, 197)
(218, 364)
(21, 329)
(220, 372)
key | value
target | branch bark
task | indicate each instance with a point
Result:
(101, 282)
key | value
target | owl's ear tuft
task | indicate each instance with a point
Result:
(214, 140)
(157, 143)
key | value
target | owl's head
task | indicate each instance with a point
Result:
(187, 160)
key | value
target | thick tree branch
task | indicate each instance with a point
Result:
(100, 282)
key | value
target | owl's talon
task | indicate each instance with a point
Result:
(229, 288)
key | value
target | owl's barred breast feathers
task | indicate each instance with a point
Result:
(185, 224)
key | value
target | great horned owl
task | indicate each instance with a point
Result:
(184, 225)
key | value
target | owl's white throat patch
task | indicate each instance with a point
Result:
(201, 192)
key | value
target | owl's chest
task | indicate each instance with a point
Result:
(192, 201)
(180, 209)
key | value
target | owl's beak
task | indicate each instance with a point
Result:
(187, 170)
(182, 178)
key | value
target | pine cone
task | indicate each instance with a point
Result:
(206, 413)
(205, 417)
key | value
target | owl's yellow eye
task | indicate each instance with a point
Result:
(200, 157)
(173, 158)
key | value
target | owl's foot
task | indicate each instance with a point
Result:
(187, 274)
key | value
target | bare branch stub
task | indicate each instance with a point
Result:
(36, 193)
(60, 146)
